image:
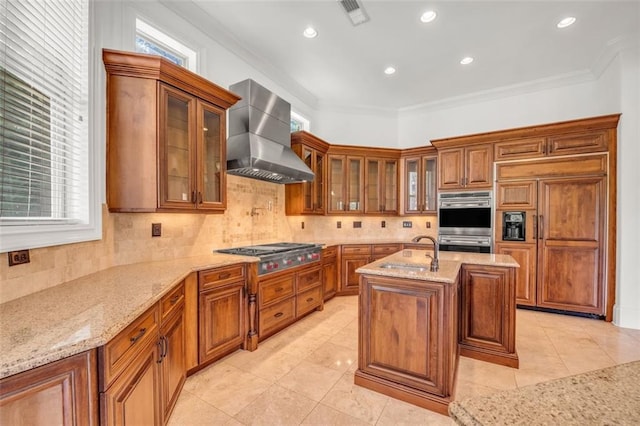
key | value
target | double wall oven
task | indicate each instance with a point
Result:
(465, 221)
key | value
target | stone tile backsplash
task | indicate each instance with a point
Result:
(255, 215)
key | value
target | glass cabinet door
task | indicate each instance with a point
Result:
(307, 157)
(429, 165)
(355, 181)
(177, 151)
(373, 190)
(319, 182)
(336, 197)
(390, 202)
(412, 179)
(210, 192)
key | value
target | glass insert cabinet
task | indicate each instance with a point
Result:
(165, 136)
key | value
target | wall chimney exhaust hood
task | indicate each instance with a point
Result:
(259, 143)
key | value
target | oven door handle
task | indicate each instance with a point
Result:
(461, 205)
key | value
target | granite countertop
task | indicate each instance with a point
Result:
(601, 397)
(89, 311)
(415, 264)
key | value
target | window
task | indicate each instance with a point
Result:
(153, 41)
(298, 122)
(45, 149)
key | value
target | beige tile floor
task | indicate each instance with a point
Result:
(304, 374)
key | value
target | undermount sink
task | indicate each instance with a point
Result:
(405, 267)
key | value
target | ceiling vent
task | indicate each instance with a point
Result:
(354, 11)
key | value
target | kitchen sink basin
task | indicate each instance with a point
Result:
(405, 267)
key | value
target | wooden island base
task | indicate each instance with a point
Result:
(404, 393)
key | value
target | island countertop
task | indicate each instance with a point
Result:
(89, 311)
(415, 264)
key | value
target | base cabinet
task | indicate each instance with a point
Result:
(488, 314)
(330, 272)
(413, 356)
(63, 392)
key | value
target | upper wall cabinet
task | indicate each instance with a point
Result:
(381, 186)
(346, 184)
(165, 136)
(468, 167)
(308, 197)
(419, 181)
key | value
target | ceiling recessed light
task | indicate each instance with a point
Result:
(309, 32)
(569, 20)
(428, 16)
(466, 60)
(389, 70)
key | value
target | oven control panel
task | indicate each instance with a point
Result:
(286, 261)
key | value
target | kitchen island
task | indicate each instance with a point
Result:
(414, 323)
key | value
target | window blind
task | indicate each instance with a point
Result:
(44, 143)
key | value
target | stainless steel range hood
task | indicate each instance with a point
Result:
(259, 143)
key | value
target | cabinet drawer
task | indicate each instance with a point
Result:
(275, 289)
(220, 276)
(116, 355)
(172, 301)
(386, 249)
(521, 148)
(308, 300)
(329, 252)
(357, 249)
(308, 278)
(276, 316)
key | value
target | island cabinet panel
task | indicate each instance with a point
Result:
(63, 392)
(408, 339)
(487, 314)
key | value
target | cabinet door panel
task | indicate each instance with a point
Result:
(222, 320)
(525, 255)
(412, 178)
(479, 168)
(429, 184)
(451, 168)
(390, 186)
(518, 149)
(578, 143)
(517, 195)
(355, 185)
(337, 194)
(330, 277)
(350, 279)
(373, 187)
(318, 183)
(173, 365)
(212, 157)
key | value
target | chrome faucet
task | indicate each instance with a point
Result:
(434, 260)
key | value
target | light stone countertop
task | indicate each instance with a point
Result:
(89, 311)
(450, 263)
(610, 396)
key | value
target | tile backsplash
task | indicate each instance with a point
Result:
(255, 215)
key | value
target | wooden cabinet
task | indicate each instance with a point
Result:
(352, 257)
(330, 271)
(285, 296)
(420, 181)
(346, 184)
(412, 356)
(63, 392)
(170, 154)
(381, 186)
(517, 195)
(487, 314)
(222, 312)
(142, 369)
(468, 167)
(580, 142)
(378, 251)
(525, 254)
(308, 197)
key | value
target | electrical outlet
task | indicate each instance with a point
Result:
(156, 229)
(383, 224)
(428, 225)
(338, 224)
(357, 224)
(19, 257)
(407, 224)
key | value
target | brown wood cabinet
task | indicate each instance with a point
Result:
(487, 314)
(353, 256)
(572, 143)
(381, 186)
(170, 154)
(308, 197)
(330, 271)
(413, 356)
(286, 296)
(142, 369)
(345, 184)
(420, 181)
(222, 312)
(63, 392)
(468, 167)
(525, 254)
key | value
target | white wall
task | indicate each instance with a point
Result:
(617, 89)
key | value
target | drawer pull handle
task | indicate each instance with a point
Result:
(310, 299)
(138, 336)
(175, 298)
(278, 315)
(224, 276)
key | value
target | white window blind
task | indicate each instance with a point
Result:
(44, 136)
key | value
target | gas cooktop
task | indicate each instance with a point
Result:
(278, 256)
